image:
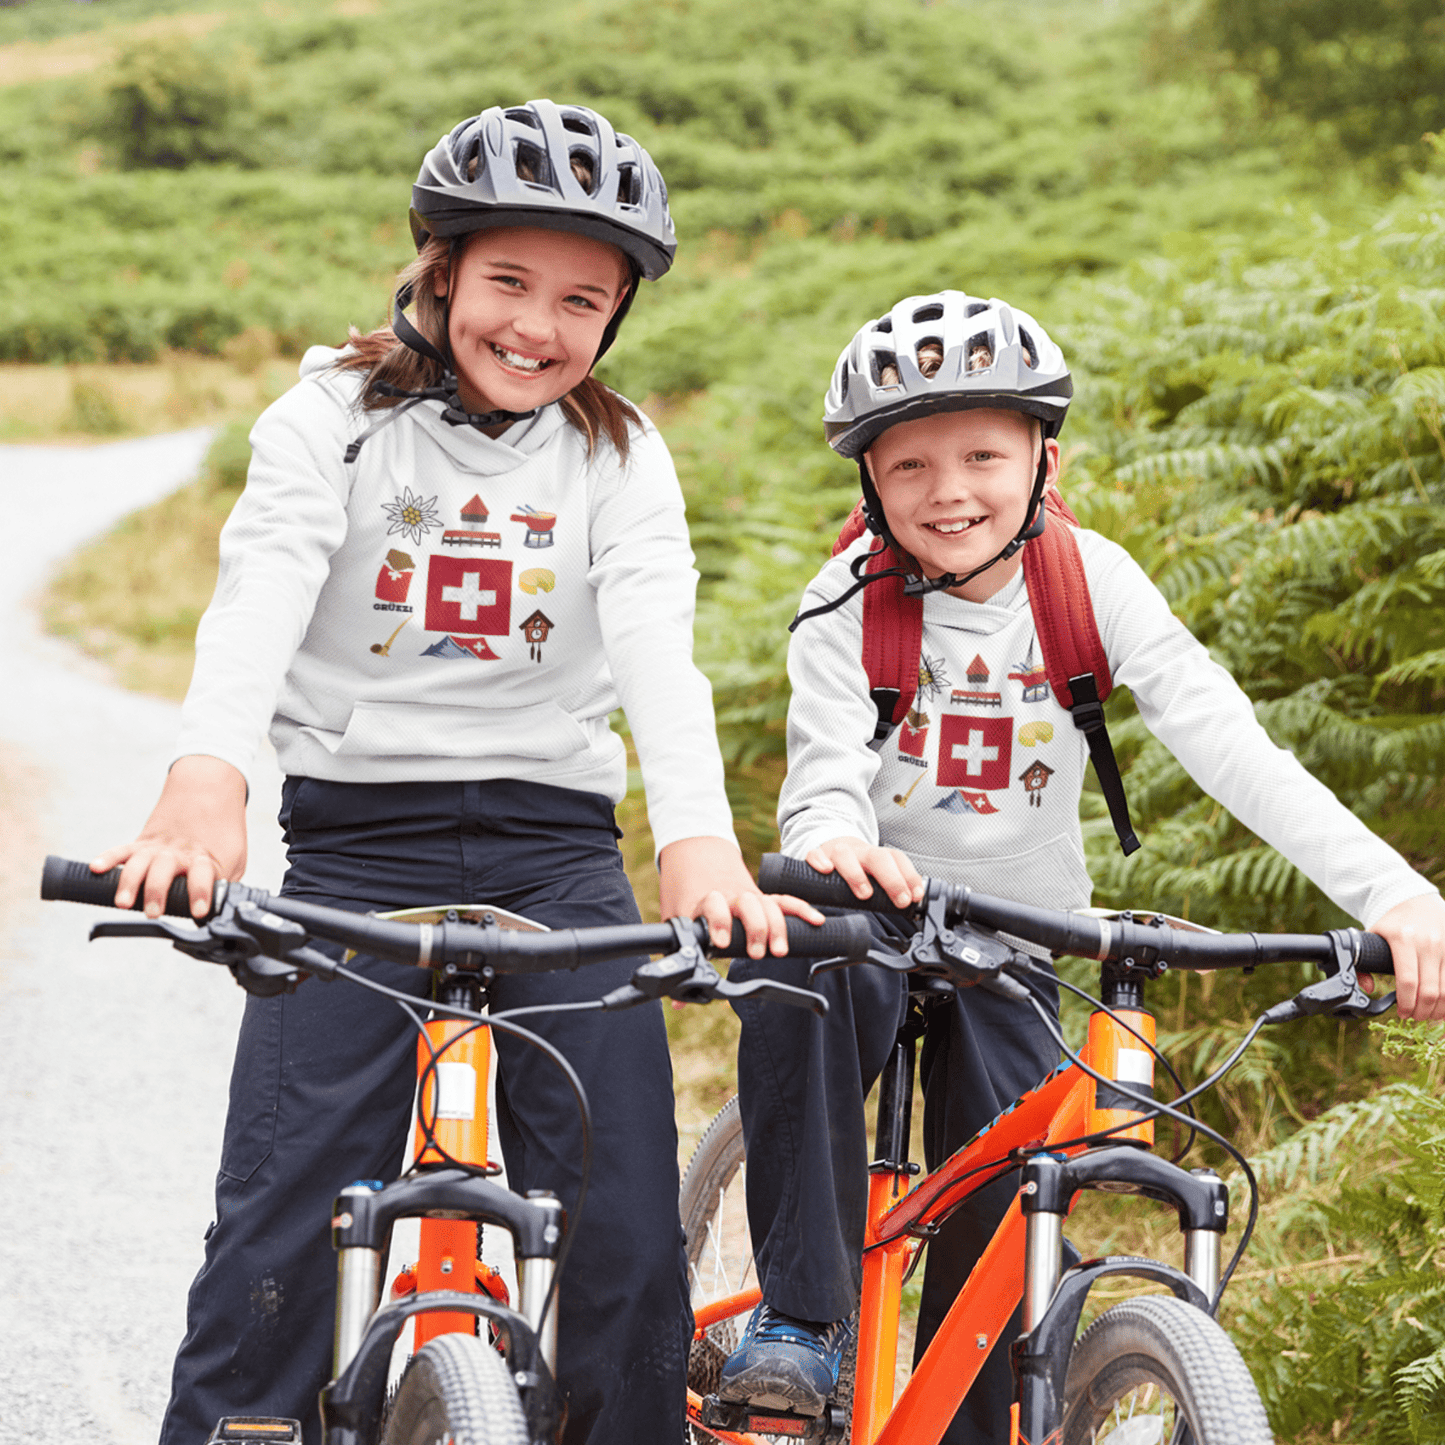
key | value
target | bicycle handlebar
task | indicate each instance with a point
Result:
(467, 945)
(1079, 934)
(72, 882)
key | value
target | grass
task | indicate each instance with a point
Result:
(74, 405)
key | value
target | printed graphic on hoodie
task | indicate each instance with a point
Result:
(469, 596)
(913, 736)
(1033, 677)
(471, 533)
(453, 647)
(535, 629)
(539, 526)
(393, 582)
(976, 693)
(964, 802)
(411, 515)
(974, 752)
(1035, 779)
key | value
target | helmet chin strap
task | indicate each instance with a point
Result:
(447, 391)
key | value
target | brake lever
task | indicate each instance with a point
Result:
(241, 938)
(686, 975)
(885, 958)
(766, 988)
(1339, 993)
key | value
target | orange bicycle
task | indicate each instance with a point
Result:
(1150, 1369)
(482, 1372)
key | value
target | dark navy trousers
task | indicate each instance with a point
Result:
(802, 1082)
(321, 1095)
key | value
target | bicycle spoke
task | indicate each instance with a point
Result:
(1145, 1416)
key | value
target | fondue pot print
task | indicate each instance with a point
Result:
(539, 525)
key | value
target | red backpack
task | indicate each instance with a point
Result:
(1074, 660)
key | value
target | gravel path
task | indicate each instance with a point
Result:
(113, 1057)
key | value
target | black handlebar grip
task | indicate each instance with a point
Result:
(777, 874)
(70, 882)
(1375, 956)
(847, 936)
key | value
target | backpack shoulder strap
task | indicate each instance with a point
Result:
(892, 631)
(1074, 657)
(892, 644)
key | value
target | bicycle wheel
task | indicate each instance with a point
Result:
(1157, 1371)
(719, 1247)
(456, 1391)
(720, 1253)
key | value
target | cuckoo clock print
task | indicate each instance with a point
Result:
(534, 630)
(1035, 778)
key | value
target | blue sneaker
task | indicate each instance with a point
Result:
(785, 1364)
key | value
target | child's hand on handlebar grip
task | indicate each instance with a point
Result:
(859, 864)
(197, 828)
(1415, 931)
(706, 878)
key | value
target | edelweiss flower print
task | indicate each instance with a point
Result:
(411, 515)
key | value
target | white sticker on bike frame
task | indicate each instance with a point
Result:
(457, 1091)
(1135, 1066)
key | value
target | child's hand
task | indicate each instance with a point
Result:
(706, 878)
(1415, 931)
(855, 862)
(198, 828)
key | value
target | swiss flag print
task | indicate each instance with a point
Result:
(974, 752)
(468, 595)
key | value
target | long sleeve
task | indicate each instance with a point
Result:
(275, 556)
(645, 583)
(1203, 717)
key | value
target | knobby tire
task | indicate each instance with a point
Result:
(456, 1391)
(1156, 1369)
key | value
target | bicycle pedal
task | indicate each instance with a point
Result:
(744, 1419)
(269, 1429)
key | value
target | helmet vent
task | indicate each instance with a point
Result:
(1031, 352)
(928, 313)
(470, 161)
(885, 369)
(572, 121)
(979, 352)
(525, 117)
(629, 186)
(584, 170)
(974, 307)
(884, 324)
(930, 355)
(531, 166)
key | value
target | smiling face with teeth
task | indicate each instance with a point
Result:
(528, 310)
(955, 488)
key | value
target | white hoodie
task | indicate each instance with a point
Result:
(982, 785)
(450, 606)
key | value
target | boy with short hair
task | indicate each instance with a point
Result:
(952, 407)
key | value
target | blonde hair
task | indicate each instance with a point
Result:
(594, 409)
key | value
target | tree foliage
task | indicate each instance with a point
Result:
(1370, 71)
(1346, 1338)
(168, 104)
(1281, 402)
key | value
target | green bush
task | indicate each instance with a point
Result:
(166, 104)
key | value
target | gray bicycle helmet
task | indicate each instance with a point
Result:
(945, 352)
(513, 166)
